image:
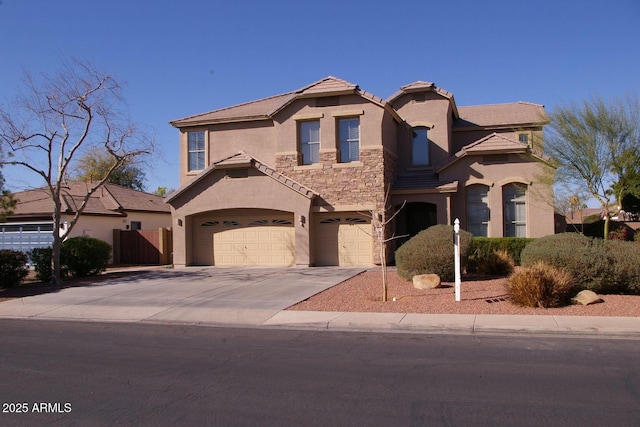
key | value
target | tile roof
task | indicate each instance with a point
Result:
(110, 200)
(419, 86)
(519, 113)
(470, 117)
(422, 86)
(254, 110)
(245, 159)
(266, 108)
(329, 85)
(493, 144)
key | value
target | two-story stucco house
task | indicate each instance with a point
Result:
(294, 179)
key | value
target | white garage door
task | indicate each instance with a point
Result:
(343, 239)
(256, 240)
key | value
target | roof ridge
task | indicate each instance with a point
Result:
(103, 188)
(422, 85)
(478, 142)
(300, 186)
(109, 184)
(318, 82)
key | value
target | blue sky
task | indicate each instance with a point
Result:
(178, 58)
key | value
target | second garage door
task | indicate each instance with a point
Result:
(259, 240)
(343, 239)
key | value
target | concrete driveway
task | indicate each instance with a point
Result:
(226, 296)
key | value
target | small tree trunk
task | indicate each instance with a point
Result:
(383, 263)
(56, 278)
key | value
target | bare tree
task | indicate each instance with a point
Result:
(56, 118)
(7, 201)
(380, 223)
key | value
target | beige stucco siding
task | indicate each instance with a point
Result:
(434, 113)
(350, 106)
(470, 170)
(255, 138)
(101, 227)
(216, 192)
(223, 140)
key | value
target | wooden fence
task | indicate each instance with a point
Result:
(143, 247)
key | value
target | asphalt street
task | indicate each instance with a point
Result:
(76, 373)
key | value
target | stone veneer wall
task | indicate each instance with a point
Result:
(359, 183)
(342, 184)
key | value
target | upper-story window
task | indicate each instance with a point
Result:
(309, 133)
(196, 151)
(349, 139)
(524, 137)
(420, 147)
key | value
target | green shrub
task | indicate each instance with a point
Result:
(483, 247)
(41, 260)
(626, 265)
(431, 251)
(13, 267)
(540, 285)
(603, 266)
(498, 263)
(84, 256)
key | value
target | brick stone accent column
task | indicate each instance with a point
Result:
(360, 183)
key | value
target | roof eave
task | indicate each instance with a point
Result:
(505, 126)
(451, 187)
(193, 123)
(262, 167)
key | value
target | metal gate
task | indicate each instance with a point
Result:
(26, 236)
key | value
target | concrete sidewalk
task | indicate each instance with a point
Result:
(458, 323)
(258, 297)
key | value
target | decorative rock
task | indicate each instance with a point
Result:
(426, 281)
(586, 298)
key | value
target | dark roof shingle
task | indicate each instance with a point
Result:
(108, 200)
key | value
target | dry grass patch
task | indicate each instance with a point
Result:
(540, 285)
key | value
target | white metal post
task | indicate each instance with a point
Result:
(456, 256)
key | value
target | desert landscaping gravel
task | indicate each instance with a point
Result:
(479, 295)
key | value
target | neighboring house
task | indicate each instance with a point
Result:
(110, 208)
(293, 179)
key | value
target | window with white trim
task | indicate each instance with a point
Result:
(196, 151)
(420, 147)
(478, 210)
(309, 134)
(349, 139)
(514, 197)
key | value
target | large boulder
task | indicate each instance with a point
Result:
(426, 281)
(586, 297)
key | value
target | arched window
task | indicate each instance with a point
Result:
(478, 210)
(420, 147)
(514, 197)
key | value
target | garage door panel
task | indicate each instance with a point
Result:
(343, 239)
(261, 240)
